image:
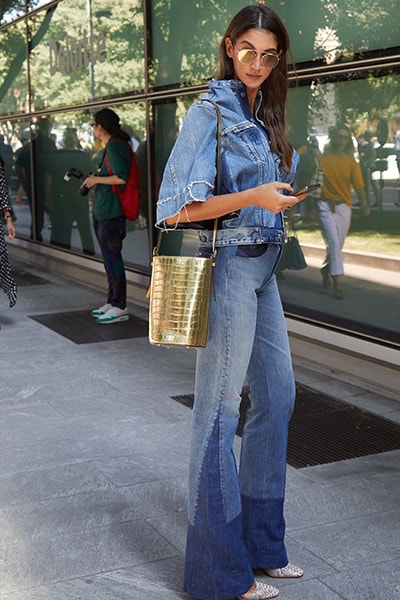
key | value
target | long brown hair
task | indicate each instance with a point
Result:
(274, 89)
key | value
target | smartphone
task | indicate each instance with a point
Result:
(307, 189)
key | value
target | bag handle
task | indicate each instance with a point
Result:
(219, 142)
(218, 180)
(219, 173)
(115, 188)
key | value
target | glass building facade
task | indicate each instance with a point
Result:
(61, 61)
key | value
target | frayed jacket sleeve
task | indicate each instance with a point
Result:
(190, 172)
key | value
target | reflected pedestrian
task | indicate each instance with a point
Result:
(69, 206)
(7, 155)
(42, 146)
(367, 157)
(341, 173)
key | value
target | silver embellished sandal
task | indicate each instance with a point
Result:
(291, 571)
(262, 592)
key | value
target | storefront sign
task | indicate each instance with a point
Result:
(77, 54)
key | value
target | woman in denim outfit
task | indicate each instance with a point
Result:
(236, 521)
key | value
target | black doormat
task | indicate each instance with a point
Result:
(324, 430)
(24, 278)
(81, 328)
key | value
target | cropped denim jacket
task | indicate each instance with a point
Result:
(246, 162)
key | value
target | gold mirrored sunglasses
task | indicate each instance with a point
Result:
(267, 59)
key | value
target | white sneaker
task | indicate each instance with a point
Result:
(97, 312)
(113, 315)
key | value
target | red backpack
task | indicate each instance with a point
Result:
(129, 198)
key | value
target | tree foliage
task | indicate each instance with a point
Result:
(183, 42)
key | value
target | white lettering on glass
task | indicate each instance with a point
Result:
(75, 54)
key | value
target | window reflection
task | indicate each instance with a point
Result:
(83, 51)
(49, 208)
(181, 53)
(168, 118)
(35, 153)
(14, 97)
(11, 10)
(35, 4)
(69, 208)
(372, 243)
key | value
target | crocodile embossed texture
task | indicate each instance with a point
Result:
(179, 300)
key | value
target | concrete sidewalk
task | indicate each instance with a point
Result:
(93, 471)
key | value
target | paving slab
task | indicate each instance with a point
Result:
(93, 470)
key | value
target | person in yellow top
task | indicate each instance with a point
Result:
(341, 173)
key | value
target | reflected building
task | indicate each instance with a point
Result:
(62, 61)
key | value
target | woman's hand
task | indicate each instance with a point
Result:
(91, 181)
(11, 229)
(269, 196)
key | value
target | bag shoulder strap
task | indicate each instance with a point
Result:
(107, 163)
(218, 179)
(115, 188)
(219, 173)
(219, 143)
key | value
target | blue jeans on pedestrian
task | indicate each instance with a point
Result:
(236, 521)
(110, 234)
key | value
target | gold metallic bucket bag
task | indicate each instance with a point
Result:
(179, 300)
(180, 291)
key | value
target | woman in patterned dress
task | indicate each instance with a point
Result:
(7, 281)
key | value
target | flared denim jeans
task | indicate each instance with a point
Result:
(236, 521)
